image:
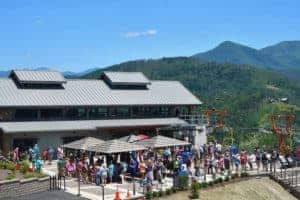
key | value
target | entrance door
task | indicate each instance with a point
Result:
(24, 143)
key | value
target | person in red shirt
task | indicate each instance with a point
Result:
(243, 159)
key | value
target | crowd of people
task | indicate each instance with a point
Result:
(152, 164)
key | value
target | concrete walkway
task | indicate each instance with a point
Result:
(91, 191)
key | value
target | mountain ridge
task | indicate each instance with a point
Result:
(269, 56)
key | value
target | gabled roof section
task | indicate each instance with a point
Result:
(38, 77)
(126, 78)
(95, 93)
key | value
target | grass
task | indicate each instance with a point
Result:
(33, 175)
(252, 189)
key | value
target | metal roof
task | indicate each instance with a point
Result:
(83, 143)
(115, 146)
(80, 125)
(95, 93)
(126, 78)
(160, 141)
(39, 76)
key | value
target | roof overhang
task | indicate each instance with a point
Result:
(84, 125)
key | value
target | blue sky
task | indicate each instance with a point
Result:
(78, 35)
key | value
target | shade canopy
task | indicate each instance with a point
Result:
(84, 143)
(130, 138)
(115, 146)
(160, 141)
(133, 138)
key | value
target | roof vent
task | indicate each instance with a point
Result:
(126, 80)
(37, 79)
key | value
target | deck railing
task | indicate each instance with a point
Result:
(193, 119)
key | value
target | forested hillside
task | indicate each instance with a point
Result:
(244, 90)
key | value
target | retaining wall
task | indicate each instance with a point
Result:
(16, 187)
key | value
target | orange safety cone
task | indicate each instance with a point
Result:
(128, 195)
(117, 194)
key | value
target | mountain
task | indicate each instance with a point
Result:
(4, 73)
(242, 89)
(239, 54)
(67, 74)
(284, 56)
(285, 53)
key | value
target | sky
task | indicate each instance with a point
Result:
(76, 35)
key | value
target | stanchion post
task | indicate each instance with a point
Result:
(103, 195)
(64, 183)
(50, 183)
(78, 181)
(133, 179)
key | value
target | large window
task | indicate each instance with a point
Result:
(76, 113)
(98, 113)
(119, 112)
(51, 114)
(26, 114)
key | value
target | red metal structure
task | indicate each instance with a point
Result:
(281, 131)
(221, 115)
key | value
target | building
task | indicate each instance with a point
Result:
(45, 108)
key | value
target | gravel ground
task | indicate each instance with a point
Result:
(254, 189)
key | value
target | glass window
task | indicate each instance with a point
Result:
(50, 114)
(123, 112)
(26, 114)
(98, 113)
(76, 113)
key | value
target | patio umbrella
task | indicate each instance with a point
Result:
(115, 146)
(160, 141)
(83, 144)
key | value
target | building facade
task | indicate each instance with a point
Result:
(45, 108)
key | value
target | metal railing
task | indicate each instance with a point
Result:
(193, 119)
(57, 183)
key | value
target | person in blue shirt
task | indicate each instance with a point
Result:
(111, 169)
(133, 167)
(98, 175)
(104, 172)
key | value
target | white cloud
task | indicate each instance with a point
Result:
(135, 34)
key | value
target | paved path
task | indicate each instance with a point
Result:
(91, 191)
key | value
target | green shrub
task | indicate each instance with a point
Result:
(168, 191)
(244, 174)
(174, 190)
(149, 195)
(155, 194)
(233, 176)
(10, 176)
(24, 167)
(204, 184)
(161, 193)
(226, 179)
(220, 180)
(195, 190)
(210, 183)
(11, 166)
(23, 156)
(183, 182)
(29, 175)
(216, 181)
